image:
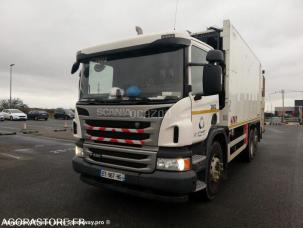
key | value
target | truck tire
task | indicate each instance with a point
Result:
(250, 152)
(214, 172)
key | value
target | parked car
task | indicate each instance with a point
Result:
(1, 116)
(66, 114)
(37, 115)
(14, 114)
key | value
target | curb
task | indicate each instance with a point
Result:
(64, 129)
(25, 131)
(8, 133)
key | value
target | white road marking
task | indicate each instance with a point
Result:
(11, 156)
(58, 151)
(24, 150)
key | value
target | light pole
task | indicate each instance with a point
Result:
(283, 108)
(10, 84)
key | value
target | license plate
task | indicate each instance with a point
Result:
(112, 175)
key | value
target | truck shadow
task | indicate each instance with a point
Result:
(140, 212)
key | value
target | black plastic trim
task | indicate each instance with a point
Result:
(79, 143)
(162, 181)
(174, 152)
(186, 87)
(213, 132)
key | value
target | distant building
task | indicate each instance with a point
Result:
(299, 108)
(291, 111)
(298, 103)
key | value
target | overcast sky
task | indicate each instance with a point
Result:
(42, 37)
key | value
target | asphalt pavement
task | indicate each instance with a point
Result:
(53, 128)
(37, 181)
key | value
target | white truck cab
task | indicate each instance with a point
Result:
(163, 114)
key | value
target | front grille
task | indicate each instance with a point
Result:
(126, 159)
(119, 124)
(118, 154)
(118, 135)
(131, 133)
(117, 144)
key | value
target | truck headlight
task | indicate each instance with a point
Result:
(173, 164)
(79, 151)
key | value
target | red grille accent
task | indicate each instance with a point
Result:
(114, 140)
(124, 130)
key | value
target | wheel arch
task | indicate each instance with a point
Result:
(219, 134)
(256, 125)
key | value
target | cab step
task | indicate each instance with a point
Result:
(200, 185)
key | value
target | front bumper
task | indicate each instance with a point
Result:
(19, 118)
(159, 182)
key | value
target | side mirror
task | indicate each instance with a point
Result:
(212, 79)
(75, 67)
(215, 56)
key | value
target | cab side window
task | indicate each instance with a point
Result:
(197, 56)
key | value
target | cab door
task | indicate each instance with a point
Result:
(204, 108)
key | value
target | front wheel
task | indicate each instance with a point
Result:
(11, 118)
(214, 172)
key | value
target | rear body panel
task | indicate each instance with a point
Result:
(243, 80)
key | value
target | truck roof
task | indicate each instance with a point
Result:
(138, 40)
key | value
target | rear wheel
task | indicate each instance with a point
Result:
(214, 172)
(250, 152)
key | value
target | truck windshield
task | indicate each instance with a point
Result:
(149, 77)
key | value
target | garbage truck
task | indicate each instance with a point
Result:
(162, 115)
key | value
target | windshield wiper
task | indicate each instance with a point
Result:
(94, 101)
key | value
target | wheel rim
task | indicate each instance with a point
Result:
(256, 139)
(252, 146)
(215, 171)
